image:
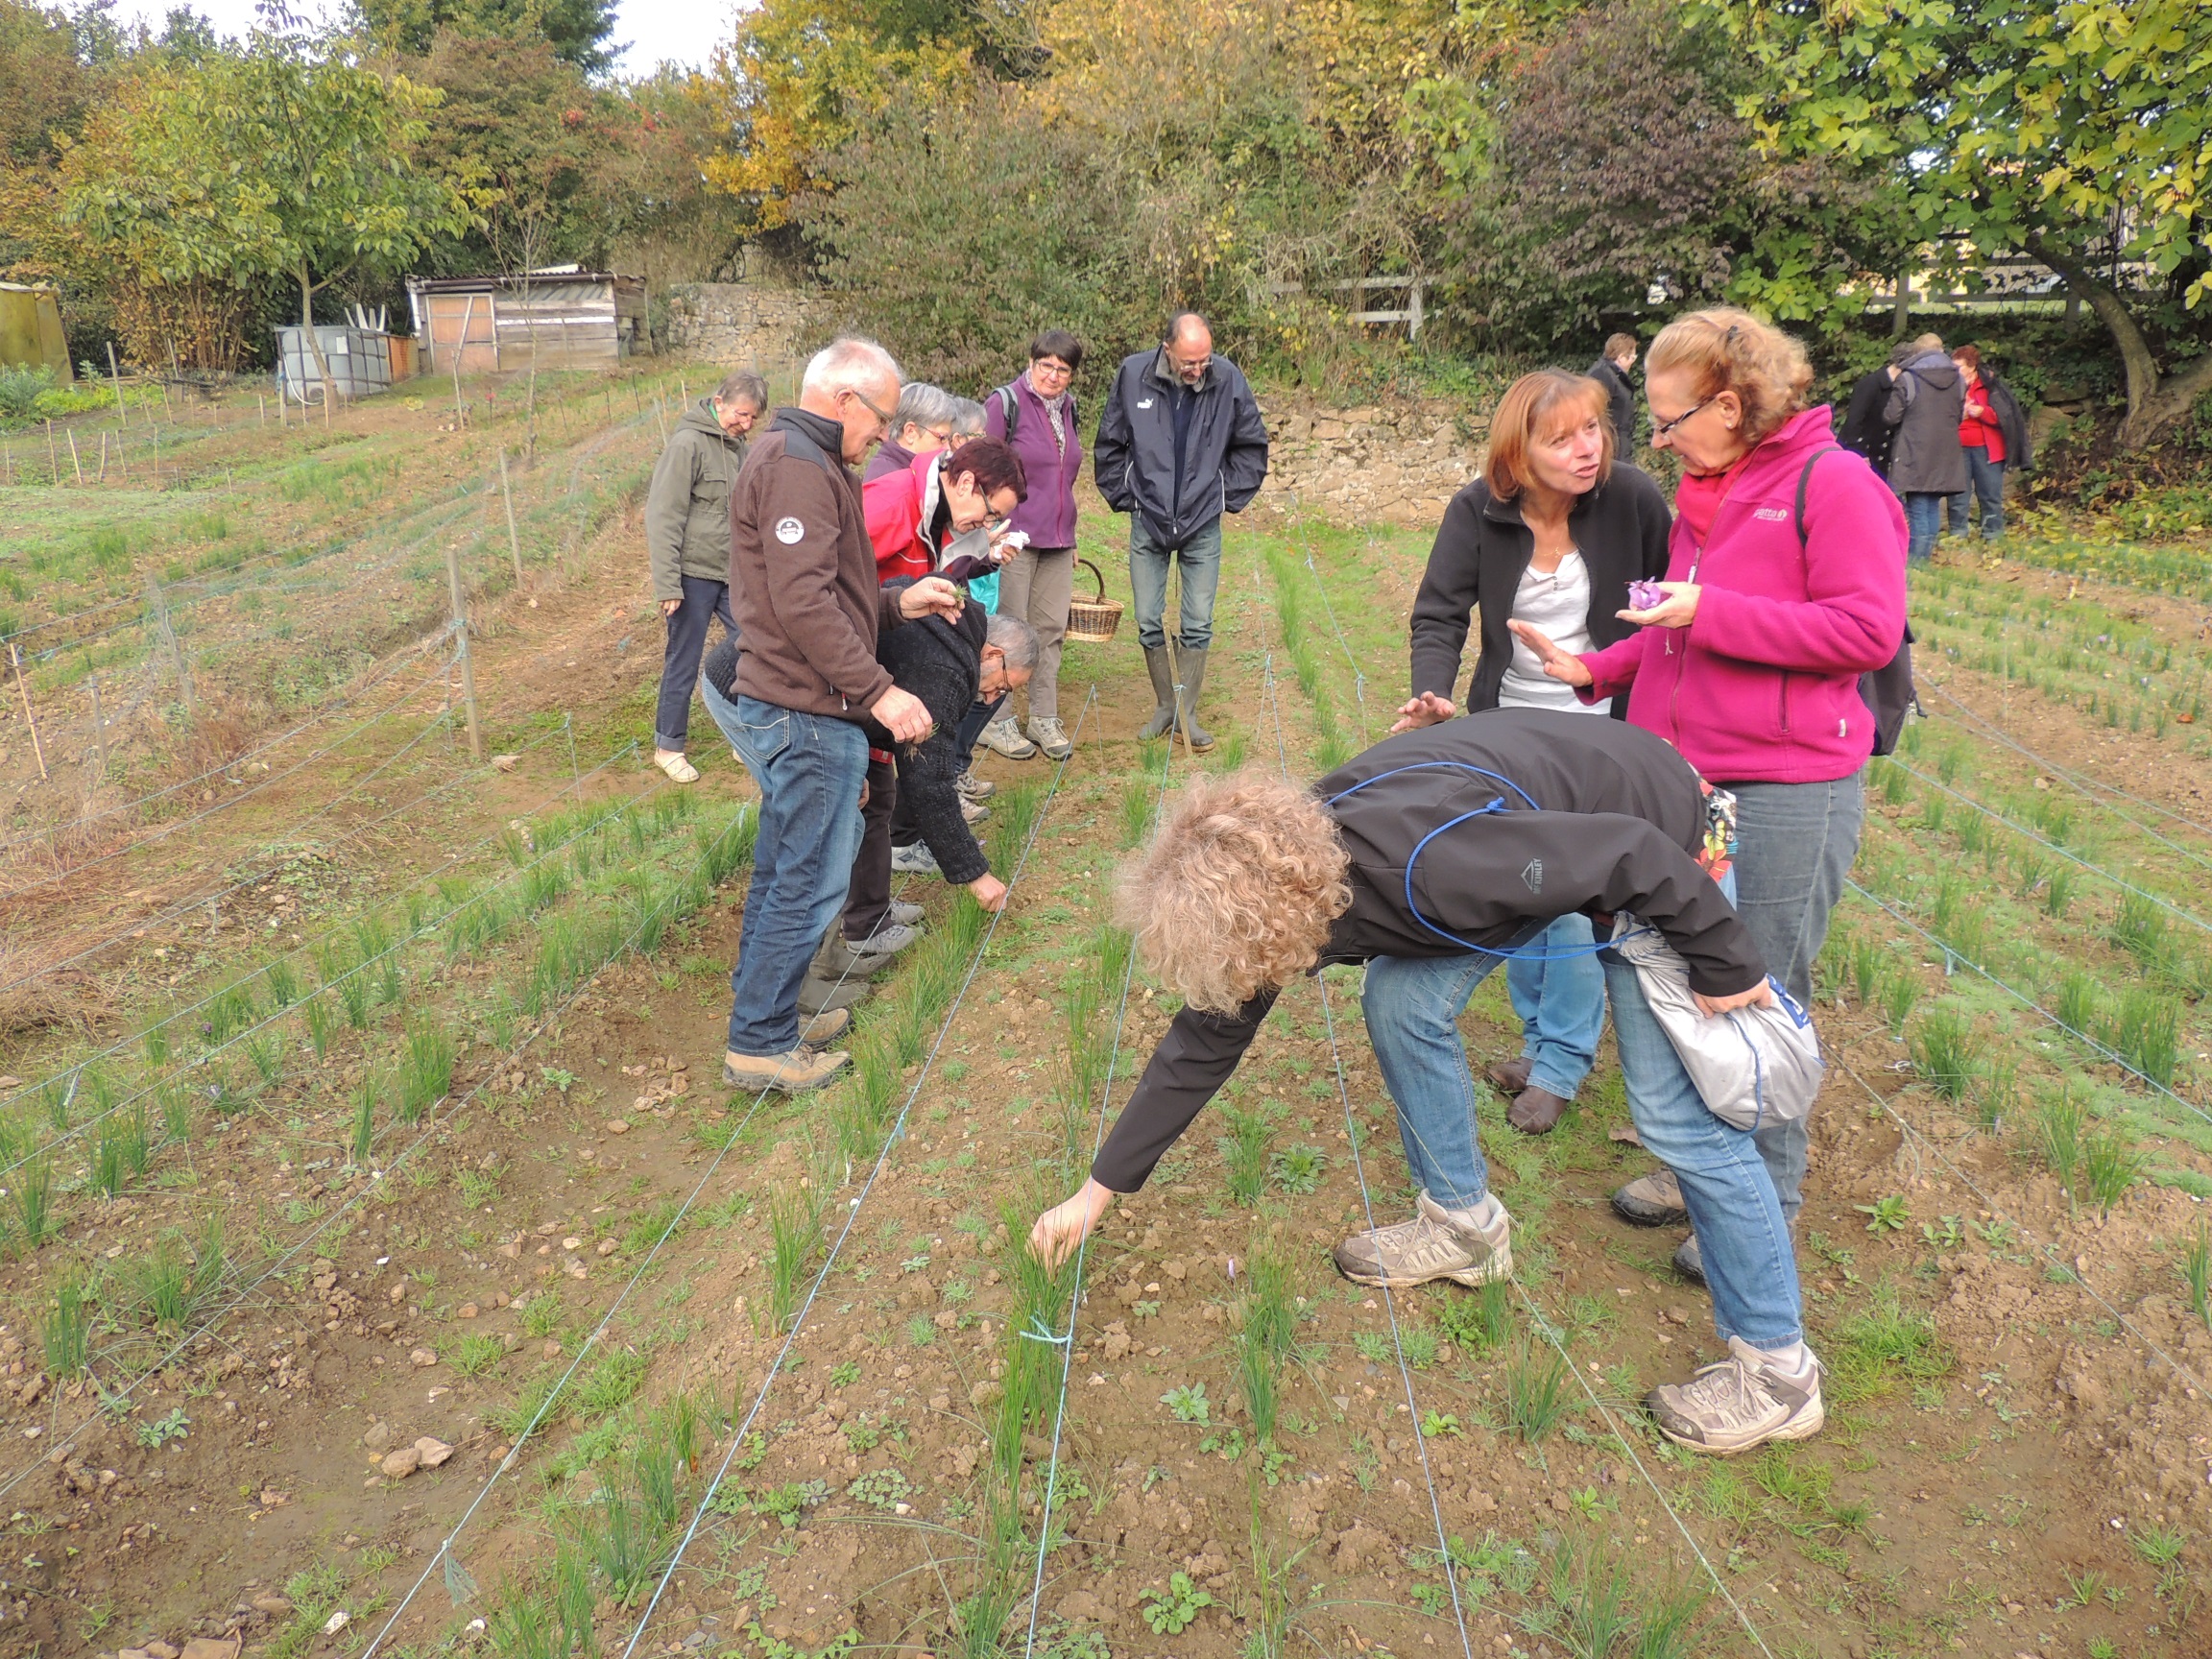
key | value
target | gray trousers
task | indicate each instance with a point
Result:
(1794, 844)
(1035, 587)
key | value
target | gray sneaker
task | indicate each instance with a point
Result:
(1050, 736)
(1433, 1246)
(1739, 1404)
(904, 914)
(915, 860)
(1653, 1200)
(888, 940)
(976, 789)
(1004, 737)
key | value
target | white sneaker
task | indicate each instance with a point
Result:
(1005, 737)
(915, 860)
(673, 763)
(1436, 1244)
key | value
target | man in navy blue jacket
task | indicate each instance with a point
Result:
(1180, 443)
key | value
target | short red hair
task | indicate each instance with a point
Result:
(1537, 406)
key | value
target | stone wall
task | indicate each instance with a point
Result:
(1399, 463)
(740, 324)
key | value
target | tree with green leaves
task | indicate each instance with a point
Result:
(2079, 131)
(286, 160)
(576, 29)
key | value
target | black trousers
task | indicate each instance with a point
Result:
(868, 898)
(704, 600)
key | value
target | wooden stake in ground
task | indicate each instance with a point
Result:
(103, 478)
(76, 465)
(460, 346)
(261, 403)
(52, 456)
(115, 379)
(468, 669)
(99, 725)
(159, 602)
(122, 462)
(30, 719)
(506, 494)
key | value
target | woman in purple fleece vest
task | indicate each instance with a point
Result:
(1750, 663)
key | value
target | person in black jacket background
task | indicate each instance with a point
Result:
(1611, 372)
(1556, 528)
(1426, 858)
(1180, 443)
(1864, 430)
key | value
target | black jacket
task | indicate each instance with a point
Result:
(941, 663)
(2011, 421)
(1133, 459)
(1925, 407)
(1864, 431)
(1482, 550)
(1620, 816)
(1624, 399)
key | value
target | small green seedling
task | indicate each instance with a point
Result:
(1885, 1214)
(159, 1432)
(1435, 1423)
(1170, 1612)
(1190, 1404)
(845, 1373)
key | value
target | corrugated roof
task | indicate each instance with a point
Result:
(514, 280)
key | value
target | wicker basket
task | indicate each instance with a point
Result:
(1092, 620)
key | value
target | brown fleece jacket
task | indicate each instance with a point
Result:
(802, 574)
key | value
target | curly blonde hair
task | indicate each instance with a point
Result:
(1237, 891)
(1725, 349)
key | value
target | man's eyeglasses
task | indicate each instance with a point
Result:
(882, 419)
(1666, 426)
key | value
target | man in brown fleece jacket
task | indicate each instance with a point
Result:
(803, 581)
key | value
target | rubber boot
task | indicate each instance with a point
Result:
(1193, 683)
(1163, 672)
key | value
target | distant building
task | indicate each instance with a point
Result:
(559, 318)
(31, 332)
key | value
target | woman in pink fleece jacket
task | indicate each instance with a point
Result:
(1750, 662)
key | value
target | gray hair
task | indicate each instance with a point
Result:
(849, 364)
(924, 405)
(968, 417)
(743, 385)
(1016, 639)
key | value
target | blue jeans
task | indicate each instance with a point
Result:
(1743, 1240)
(1986, 483)
(704, 600)
(1201, 563)
(1413, 1007)
(810, 768)
(1561, 1002)
(1923, 517)
(1794, 844)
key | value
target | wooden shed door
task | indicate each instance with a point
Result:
(464, 319)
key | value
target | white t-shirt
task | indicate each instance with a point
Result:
(1555, 603)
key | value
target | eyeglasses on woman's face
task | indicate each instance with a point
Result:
(1663, 427)
(1050, 369)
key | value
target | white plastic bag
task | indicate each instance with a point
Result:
(1752, 1066)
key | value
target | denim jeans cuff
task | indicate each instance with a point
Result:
(1554, 1082)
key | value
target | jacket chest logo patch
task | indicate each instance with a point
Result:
(1533, 874)
(1145, 404)
(1772, 515)
(789, 531)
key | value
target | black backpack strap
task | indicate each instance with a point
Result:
(1010, 408)
(1805, 483)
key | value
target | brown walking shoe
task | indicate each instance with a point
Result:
(1436, 1244)
(1743, 1401)
(797, 1072)
(1652, 1200)
(1508, 1077)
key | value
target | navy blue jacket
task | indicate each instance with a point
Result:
(1224, 459)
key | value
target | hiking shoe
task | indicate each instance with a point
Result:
(888, 940)
(1436, 1244)
(906, 915)
(797, 1072)
(1538, 1111)
(975, 788)
(672, 761)
(915, 860)
(1050, 736)
(1689, 1261)
(819, 993)
(1652, 1200)
(840, 959)
(825, 1027)
(1004, 737)
(1508, 1077)
(974, 811)
(1741, 1403)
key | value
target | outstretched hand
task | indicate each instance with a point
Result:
(1676, 611)
(1064, 1226)
(1426, 709)
(1563, 666)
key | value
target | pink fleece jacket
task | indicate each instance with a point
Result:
(1763, 687)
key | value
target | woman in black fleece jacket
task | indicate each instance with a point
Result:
(948, 665)
(1428, 858)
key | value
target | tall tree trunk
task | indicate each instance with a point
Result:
(2154, 400)
(314, 343)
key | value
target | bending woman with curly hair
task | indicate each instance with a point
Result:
(1430, 859)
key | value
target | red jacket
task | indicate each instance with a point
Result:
(1763, 687)
(900, 506)
(1984, 431)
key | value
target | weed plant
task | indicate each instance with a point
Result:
(1245, 1150)
(1535, 1384)
(1479, 1322)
